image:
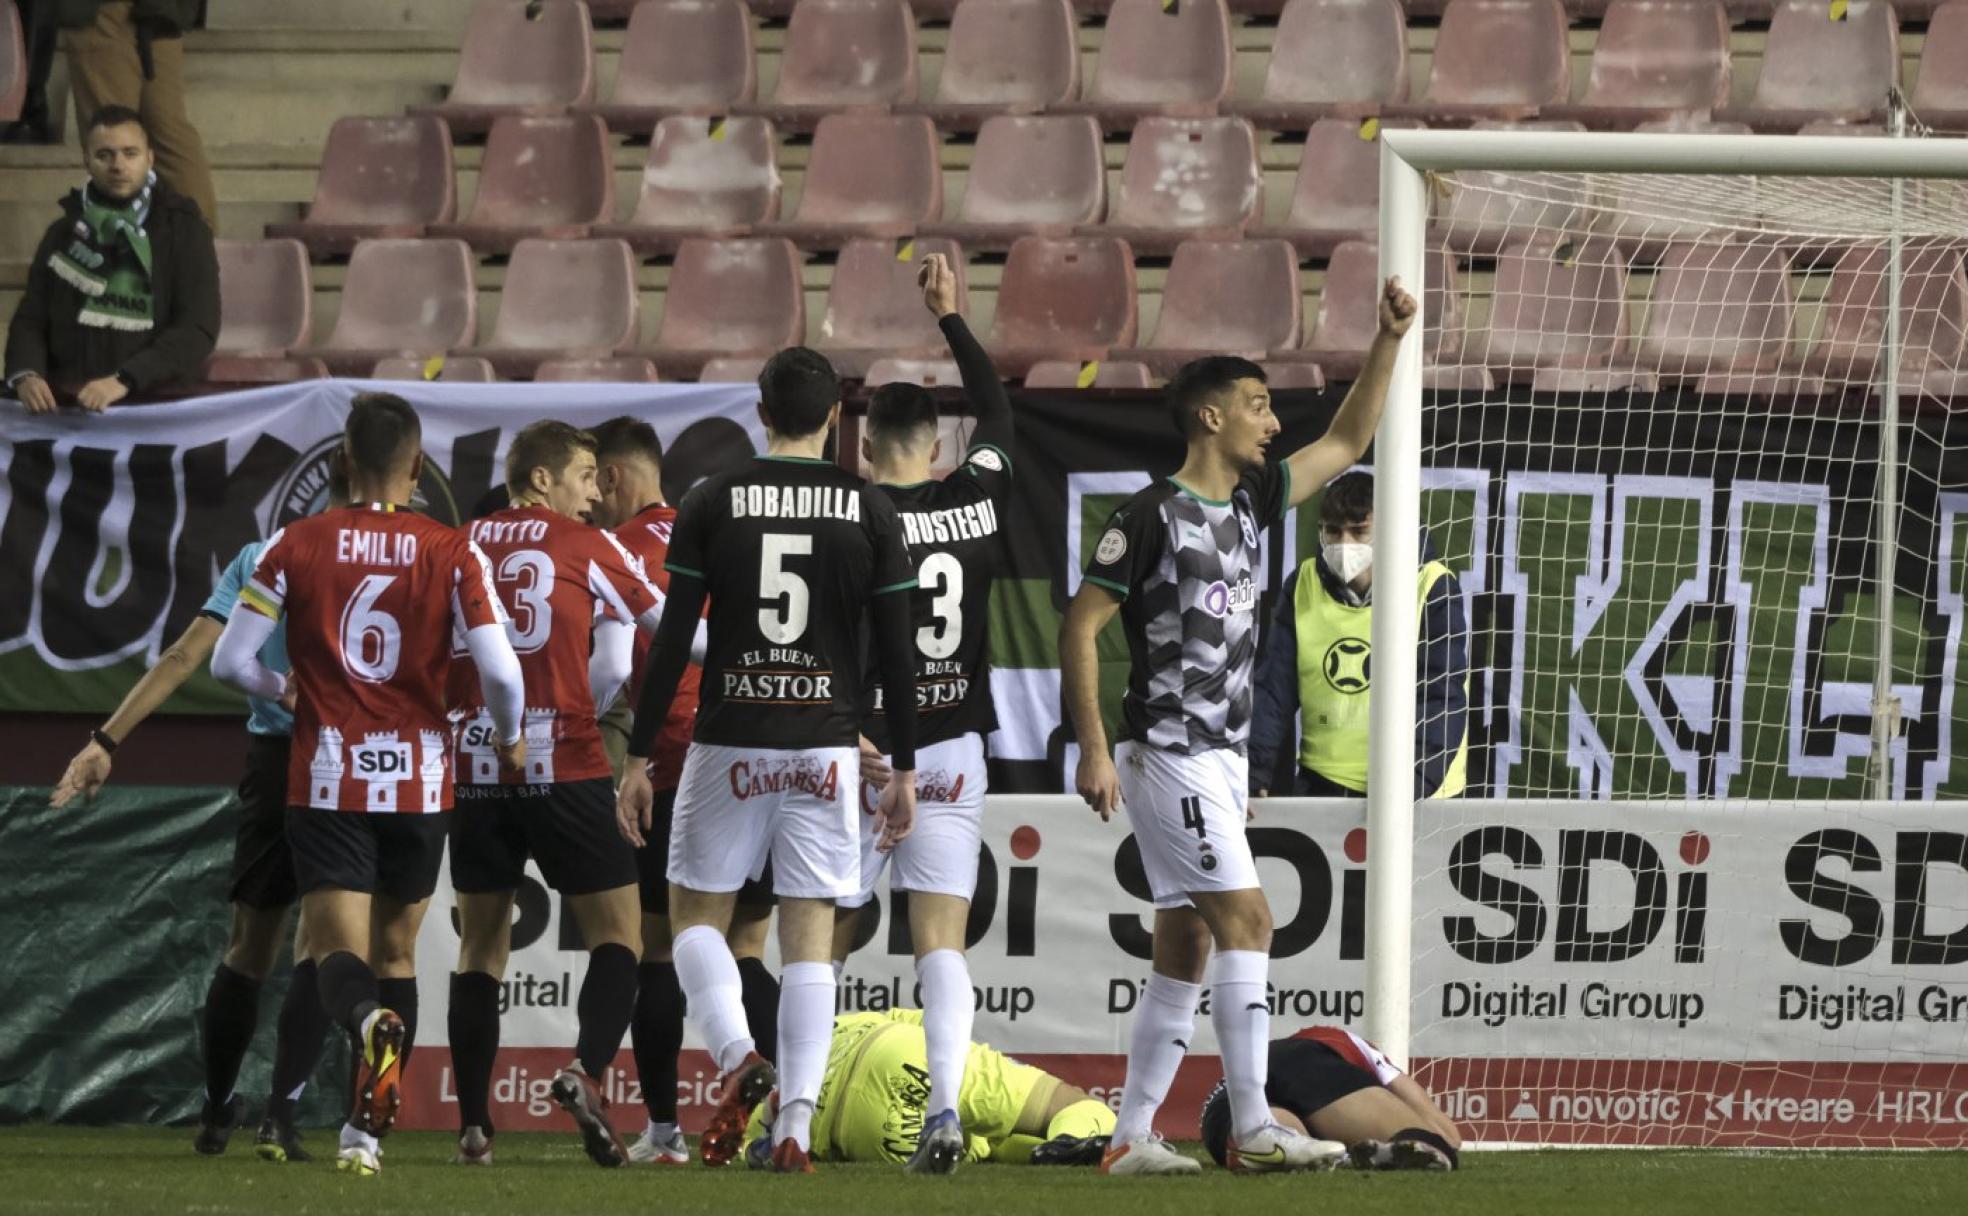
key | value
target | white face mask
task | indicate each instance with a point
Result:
(1346, 559)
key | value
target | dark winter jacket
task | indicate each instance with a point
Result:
(46, 338)
(1441, 701)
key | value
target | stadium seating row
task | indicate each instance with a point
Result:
(1559, 317)
(1494, 59)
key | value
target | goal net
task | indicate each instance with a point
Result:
(1690, 444)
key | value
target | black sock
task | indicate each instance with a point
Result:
(607, 1000)
(299, 1036)
(1433, 1140)
(232, 1010)
(761, 998)
(400, 997)
(474, 1021)
(348, 991)
(657, 1037)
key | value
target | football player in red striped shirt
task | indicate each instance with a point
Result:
(373, 595)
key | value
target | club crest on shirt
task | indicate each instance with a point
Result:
(987, 458)
(1250, 529)
(1112, 546)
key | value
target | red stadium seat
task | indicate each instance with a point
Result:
(1933, 300)
(875, 309)
(520, 57)
(703, 177)
(402, 297)
(1157, 58)
(1295, 374)
(1349, 311)
(564, 300)
(1063, 298)
(1719, 309)
(928, 373)
(1496, 59)
(1653, 56)
(1186, 178)
(1485, 211)
(13, 63)
(541, 177)
(1006, 57)
(450, 369)
(1647, 228)
(1040, 174)
(868, 175)
(681, 57)
(1556, 302)
(380, 177)
(842, 55)
(1821, 63)
(1095, 373)
(1940, 93)
(1337, 193)
(738, 369)
(266, 298)
(729, 297)
(1332, 58)
(1225, 297)
(251, 369)
(618, 369)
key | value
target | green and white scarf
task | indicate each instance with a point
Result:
(108, 260)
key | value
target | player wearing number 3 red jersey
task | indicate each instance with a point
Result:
(574, 598)
(372, 595)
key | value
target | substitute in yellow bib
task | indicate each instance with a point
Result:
(877, 1083)
(1315, 664)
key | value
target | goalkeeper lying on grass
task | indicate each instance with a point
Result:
(877, 1083)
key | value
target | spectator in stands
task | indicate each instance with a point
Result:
(35, 124)
(123, 294)
(1314, 663)
(131, 53)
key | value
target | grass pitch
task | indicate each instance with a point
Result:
(141, 1170)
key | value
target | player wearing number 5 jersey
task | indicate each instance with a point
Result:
(573, 598)
(1180, 563)
(797, 556)
(372, 596)
(952, 527)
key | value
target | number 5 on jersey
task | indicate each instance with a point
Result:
(784, 595)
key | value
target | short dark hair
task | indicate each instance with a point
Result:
(623, 437)
(381, 433)
(547, 444)
(338, 480)
(798, 388)
(1200, 382)
(1348, 499)
(900, 413)
(114, 116)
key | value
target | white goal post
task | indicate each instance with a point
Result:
(1892, 213)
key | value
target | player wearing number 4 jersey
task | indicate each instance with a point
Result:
(372, 596)
(951, 526)
(1179, 563)
(795, 554)
(574, 598)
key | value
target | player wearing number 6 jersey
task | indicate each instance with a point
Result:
(952, 527)
(573, 598)
(796, 555)
(1180, 563)
(372, 596)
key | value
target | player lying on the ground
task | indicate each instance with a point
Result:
(876, 1088)
(1333, 1084)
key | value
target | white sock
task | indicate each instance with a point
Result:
(714, 993)
(949, 1008)
(660, 1131)
(806, 1026)
(1163, 1025)
(353, 1136)
(1241, 1013)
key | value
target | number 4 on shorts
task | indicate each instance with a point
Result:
(1192, 817)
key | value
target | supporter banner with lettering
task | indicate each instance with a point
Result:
(114, 527)
(1633, 973)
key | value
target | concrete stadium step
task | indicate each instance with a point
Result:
(448, 15)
